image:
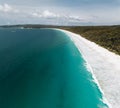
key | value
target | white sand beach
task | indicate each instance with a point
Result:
(105, 66)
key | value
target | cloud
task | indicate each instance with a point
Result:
(48, 14)
(45, 14)
(21, 14)
(7, 8)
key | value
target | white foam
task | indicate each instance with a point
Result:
(105, 66)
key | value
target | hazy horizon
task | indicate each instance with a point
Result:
(60, 12)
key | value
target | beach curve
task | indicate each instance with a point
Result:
(105, 66)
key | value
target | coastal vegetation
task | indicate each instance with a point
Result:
(106, 36)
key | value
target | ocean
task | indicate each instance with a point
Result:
(42, 68)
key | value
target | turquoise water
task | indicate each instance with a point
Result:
(42, 68)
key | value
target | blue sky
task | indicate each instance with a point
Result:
(60, 12)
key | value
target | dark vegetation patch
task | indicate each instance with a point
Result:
(106, 36)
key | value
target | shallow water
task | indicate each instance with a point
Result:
(42, 68)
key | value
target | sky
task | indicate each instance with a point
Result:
(60, 12)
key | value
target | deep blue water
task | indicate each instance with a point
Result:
(42, 68)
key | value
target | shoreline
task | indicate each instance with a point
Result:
(104, 64)
(104, 100)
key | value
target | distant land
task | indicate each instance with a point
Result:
(106, 36)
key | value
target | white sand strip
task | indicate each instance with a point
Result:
(105, 66)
